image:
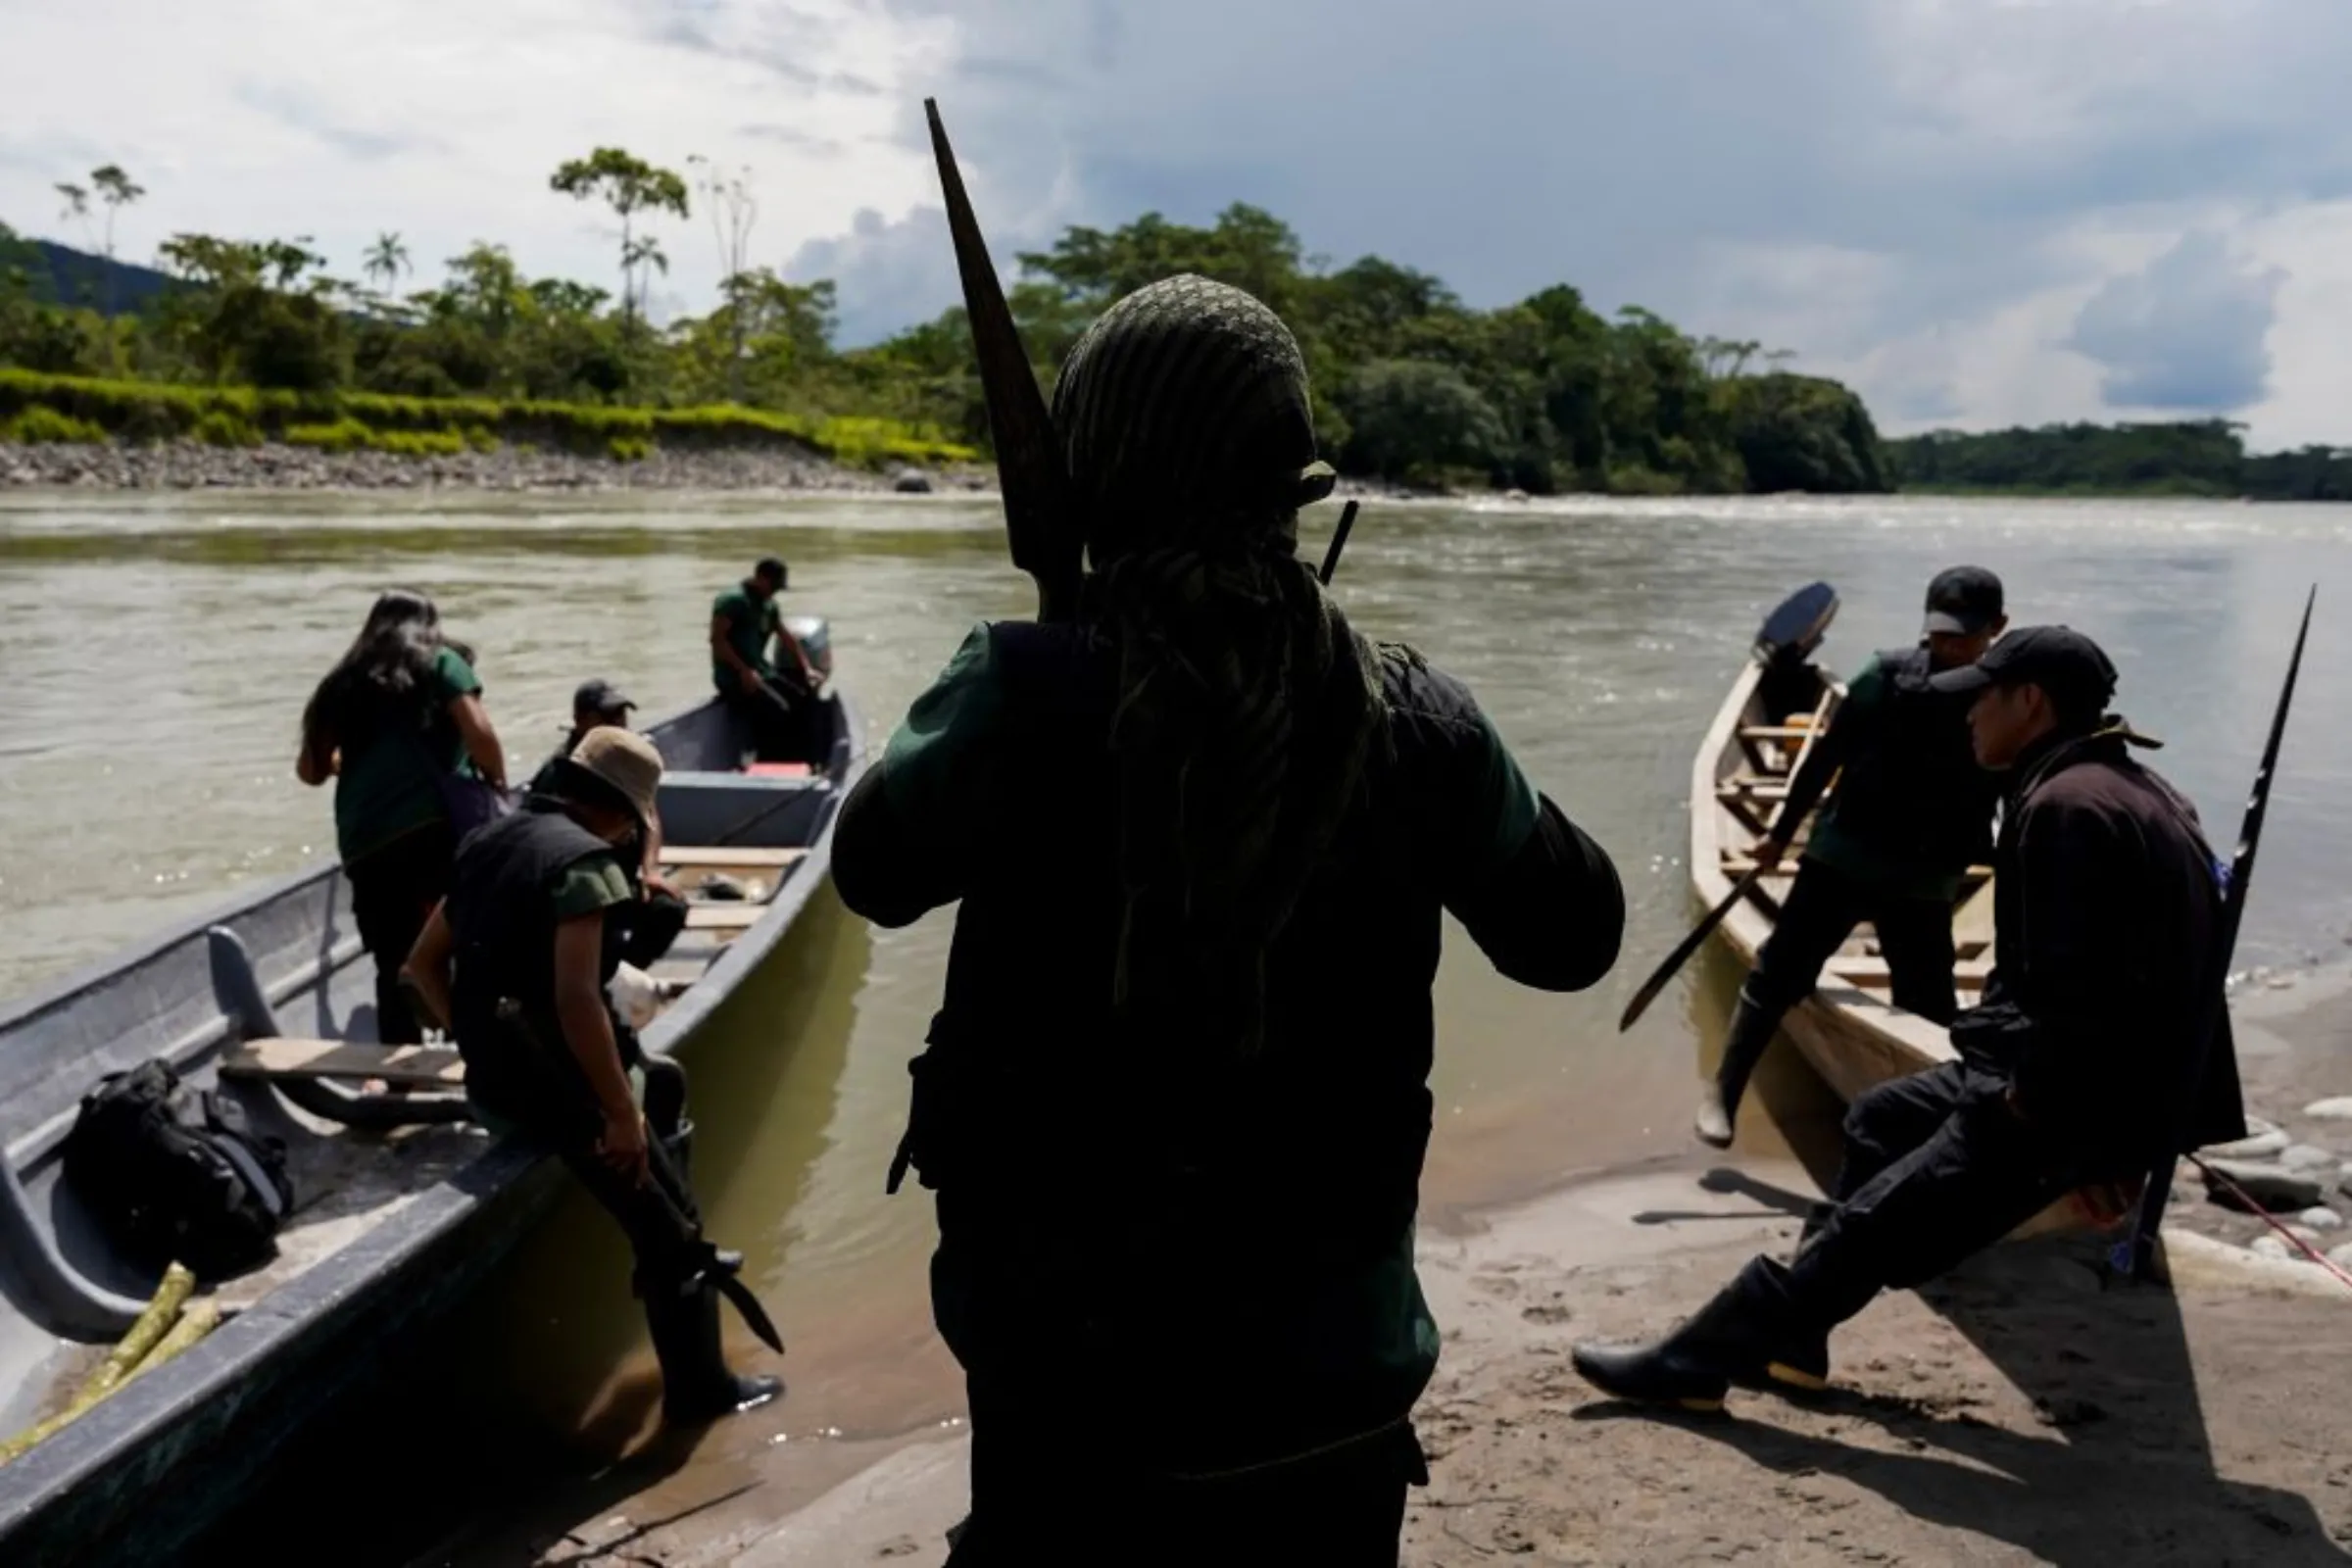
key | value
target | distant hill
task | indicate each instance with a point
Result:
(62, 275)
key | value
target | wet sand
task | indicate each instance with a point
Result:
(2026, 1408)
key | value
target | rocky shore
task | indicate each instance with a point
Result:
(191, 466)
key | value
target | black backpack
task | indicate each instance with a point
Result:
(171, 1173)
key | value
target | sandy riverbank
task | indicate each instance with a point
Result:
(2025, 1409)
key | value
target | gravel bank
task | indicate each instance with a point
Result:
(189, 466)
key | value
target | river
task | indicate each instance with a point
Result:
(155, 654)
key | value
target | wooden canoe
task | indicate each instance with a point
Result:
(391, 1227)
(1849, 1029)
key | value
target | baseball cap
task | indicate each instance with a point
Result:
(2062, 661)
(1964, 600)
(598, 697)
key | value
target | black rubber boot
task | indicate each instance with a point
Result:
(697, 1383)
(1746, 1336)
(1752, 1030)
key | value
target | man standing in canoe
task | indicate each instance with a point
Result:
(1912, 814)
(773, 705)
(514, 963)
(2098, 1052)
(1174, 1106)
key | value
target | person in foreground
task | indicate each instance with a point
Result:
(1174, 1105)
(2101, 1048)
(644, 929)
(399, 725)
(1912, 814)
(774, 705)
(514, 963)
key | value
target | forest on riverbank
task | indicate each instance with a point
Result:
(233, 342)
(2188, 457)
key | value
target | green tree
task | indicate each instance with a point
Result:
(629, 185)
(386, 260)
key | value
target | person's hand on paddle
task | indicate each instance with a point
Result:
(624, 1143)
(1769, 852)
(748, 679)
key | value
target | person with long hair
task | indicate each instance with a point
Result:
(1175, 1103)
(400, 726)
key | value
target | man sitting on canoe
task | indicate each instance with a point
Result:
(643, 931)
(1912, 814)
(2100, 1050)
(774, 705)
(514, 963)
(1175, 1103)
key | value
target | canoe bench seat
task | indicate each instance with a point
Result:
(1969, 974)
(749, 855)
(278, 1057)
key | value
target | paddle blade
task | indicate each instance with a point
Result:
(1037, 519)
(1798, 624)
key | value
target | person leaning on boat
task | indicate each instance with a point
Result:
(1912, 814)
(1174, 1106)
(400, 726)
(643, 931)
(2100, 1050)
(514, 963)
(774, 705)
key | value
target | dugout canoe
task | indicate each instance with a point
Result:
(1849, 1029)
(269, 985)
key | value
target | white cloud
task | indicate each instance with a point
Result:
(443, 119)
(1924, 194)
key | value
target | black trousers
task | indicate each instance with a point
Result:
(1936, 1168)
(643, 931)
(393, 890)
(1062, 1495)
(659, 1215)
(780, 718)
(1821, 909)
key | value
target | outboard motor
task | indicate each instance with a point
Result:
(816, 636)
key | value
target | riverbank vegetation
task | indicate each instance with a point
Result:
(2190, 458)
(234, 341)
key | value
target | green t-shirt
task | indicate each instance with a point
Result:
(385, 787)
(591, 883)
(938, 764)
(751, 622)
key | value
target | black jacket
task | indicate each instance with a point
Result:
(2104, 1004)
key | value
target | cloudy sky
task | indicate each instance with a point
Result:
(1980, 211)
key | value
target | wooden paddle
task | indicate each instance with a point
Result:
(1681, 953)
(1795, 625)
(1338, 542)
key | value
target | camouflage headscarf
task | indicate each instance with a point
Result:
(1246, 708)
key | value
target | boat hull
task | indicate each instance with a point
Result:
(144, 1473)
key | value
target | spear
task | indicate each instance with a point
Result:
(1039, 520)
(2136, 1255)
